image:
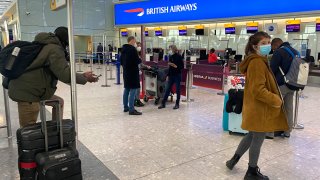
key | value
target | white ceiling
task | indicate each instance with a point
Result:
(4, 5)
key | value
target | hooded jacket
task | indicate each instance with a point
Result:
(130, 62)
(50, 66)
(262, 105)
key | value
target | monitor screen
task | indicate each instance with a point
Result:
(183, 32)
(158, 33)
(252, 29)
(146, 33)
(124, 33)
(230, 30)
(199, 32)
(293, 28)
(318, 27)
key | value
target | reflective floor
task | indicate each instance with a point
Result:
(183, 144)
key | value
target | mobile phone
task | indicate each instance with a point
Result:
(98, 76)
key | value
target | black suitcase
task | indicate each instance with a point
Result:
(59, 164)
(30, 141)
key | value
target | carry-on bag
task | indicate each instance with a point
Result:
(30, 140)
(59, 164)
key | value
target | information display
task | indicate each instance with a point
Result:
(230, 28)
(182, 30)
(293, 26)
(252, 27)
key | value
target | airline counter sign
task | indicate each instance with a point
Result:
(161, 11)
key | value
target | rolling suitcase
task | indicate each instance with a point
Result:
(30, 140)
(59, 164)
(234, 124)
(225, 115)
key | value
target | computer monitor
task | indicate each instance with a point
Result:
(203, 54)
(238, 57)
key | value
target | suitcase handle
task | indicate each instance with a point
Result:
(44, 121)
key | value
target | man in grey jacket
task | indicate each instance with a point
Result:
(40, 83)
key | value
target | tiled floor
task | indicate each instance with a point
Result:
(188, 143)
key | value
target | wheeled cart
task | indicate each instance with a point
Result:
(154, 83)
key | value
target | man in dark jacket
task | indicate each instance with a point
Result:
(175, 68)
(275, 44)
(130, 62)
(100, 53)
(282, 59)
(40, 84)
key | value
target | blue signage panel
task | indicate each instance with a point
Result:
(161, 11)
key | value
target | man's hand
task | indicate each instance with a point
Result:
(90, 77)
(149, 67)
(172, 64)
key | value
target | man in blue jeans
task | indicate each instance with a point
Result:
(174, 76)
(130, 62)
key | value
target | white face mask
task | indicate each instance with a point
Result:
(170, 52)
(139, 49)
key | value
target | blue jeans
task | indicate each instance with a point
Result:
(129, 97)
(172, 80)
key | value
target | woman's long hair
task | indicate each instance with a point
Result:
(254, 40)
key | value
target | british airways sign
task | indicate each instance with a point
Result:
(163, 11)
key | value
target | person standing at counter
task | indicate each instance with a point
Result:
(175, 67)
(130, 61)
(212, 57)
(262, 106)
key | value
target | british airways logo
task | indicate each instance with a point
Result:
(164, 10)
(137, 10)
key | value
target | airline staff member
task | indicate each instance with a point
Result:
(212, 56)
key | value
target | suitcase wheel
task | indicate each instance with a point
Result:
(145, 99)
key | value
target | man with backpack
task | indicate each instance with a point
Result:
(281, 61)
(39, 80)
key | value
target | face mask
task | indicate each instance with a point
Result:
(170, 52)
(138, 49)
(265, 49)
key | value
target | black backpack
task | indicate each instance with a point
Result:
(16, 57)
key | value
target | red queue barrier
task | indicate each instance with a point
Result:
(208, 76)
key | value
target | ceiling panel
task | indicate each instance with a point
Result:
(4, 4)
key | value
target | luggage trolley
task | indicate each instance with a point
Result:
(155, 82)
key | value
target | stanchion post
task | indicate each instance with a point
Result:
(296, 125)
(79, 63)
(91, 63)
(118, 70)
(111, 72)
(223, 80)
(105, 77)
(7, 113)
(98, 58)
(188, 85)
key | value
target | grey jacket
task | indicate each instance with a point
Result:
(40, 84)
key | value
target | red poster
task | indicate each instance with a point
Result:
(208, 76)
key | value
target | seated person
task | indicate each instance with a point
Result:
(212, 58)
